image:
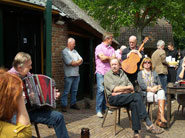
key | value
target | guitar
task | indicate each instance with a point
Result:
(129, 65)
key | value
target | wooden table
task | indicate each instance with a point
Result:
(170, 91)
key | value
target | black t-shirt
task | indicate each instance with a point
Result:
(173, 53)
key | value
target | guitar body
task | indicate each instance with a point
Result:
(129, 65)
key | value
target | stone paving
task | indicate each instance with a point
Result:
(75, 120)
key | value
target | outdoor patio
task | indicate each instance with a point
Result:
(75, 120)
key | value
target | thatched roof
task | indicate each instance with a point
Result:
(74, 12)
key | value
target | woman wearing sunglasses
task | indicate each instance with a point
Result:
(150, 85)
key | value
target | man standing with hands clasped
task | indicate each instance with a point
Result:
(72, 61)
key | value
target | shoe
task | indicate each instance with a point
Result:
(161, 124)
(137, 136)
(75, 106)
(110, 112)
(99, 114)
(153, 129)
(64, 108)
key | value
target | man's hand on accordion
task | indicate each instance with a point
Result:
(57, 93)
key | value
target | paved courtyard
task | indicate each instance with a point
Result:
(75, 120)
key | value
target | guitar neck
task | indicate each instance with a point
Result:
(144, 41)
(141, 46)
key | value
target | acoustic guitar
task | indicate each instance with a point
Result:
(129, 65)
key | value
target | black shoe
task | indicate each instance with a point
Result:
(75, 106)
(63, 108)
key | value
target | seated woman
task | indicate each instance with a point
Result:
(150, 84)
(12, 102)
(181, 76)
(181, 70)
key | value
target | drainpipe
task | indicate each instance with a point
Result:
(91, 68)
(48, 19)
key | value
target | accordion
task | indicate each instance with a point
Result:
(39, 91)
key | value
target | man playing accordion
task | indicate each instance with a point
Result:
(21, 66)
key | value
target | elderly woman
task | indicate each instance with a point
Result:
(150, 85)
(12, 102)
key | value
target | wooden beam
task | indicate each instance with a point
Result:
(28, 5)
(78, 34)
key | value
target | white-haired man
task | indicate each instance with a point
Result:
(159, 63)
(72, 61)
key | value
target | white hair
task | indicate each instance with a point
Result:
(160, 43)
(122, 47)
(70, 40)
(133, 37)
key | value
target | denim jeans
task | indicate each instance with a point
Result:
(51, 118)
(70, 83)
(135, 103)
(100, 97)
(163, 79)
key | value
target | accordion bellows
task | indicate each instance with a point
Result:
(39, 90)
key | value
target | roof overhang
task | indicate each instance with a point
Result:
(25, 4)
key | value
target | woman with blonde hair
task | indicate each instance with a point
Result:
(12, 102)
(150, 85)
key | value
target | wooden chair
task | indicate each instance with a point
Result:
(116, 108)
(181, 101)
(149, 107)
(36, 129)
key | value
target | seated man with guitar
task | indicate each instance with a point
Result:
(22, 64)
(131, 57)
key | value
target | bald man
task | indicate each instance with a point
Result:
(132, 49)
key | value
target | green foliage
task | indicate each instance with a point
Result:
(113, 14)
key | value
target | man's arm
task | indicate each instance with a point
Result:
(68, 60)
(76, 63)
(181, 75)
(163, 59)
(112, 89)
(104, 58)
(123, 89)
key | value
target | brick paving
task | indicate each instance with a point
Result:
(75, 120)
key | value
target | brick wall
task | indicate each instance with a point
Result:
(59, 41)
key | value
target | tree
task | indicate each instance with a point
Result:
(114, 14)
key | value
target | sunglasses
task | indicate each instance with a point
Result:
(147, 62)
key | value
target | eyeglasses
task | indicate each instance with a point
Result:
(148, 62)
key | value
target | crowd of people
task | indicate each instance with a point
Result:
(151, 76)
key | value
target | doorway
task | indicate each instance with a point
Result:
(21, 32)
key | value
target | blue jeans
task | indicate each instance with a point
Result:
(100, 97)
(70, 83)
(163, 79)
(51, 118)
